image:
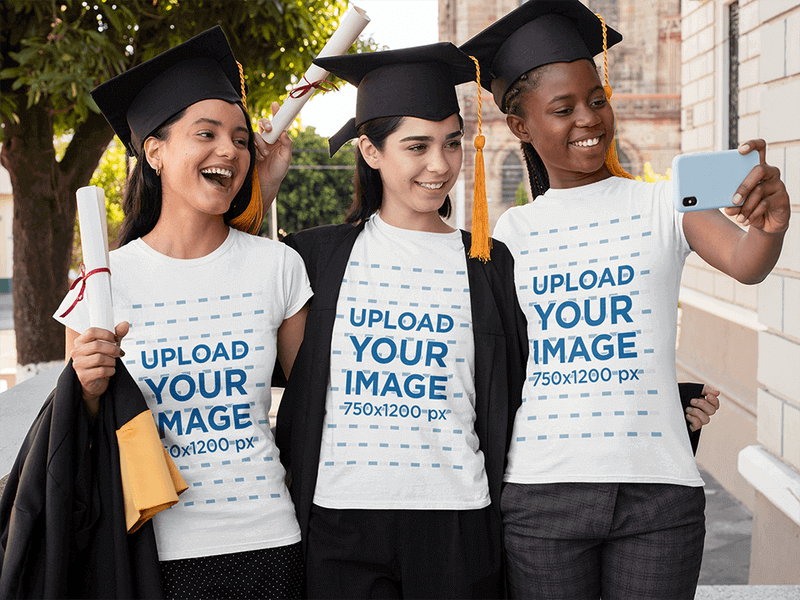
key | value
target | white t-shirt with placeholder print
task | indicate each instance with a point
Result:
(399, 424)
(598, 272)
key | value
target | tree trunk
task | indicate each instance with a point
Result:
(44, 220)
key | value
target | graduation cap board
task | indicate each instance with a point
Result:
(138, 101)
(411, 82)
(540, 32)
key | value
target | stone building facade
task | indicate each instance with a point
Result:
(741, 80)
(644, 71)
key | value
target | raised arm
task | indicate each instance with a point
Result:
(763, 204)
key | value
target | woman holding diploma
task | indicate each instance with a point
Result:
(204, 308)
(602, 495)
(395, 420)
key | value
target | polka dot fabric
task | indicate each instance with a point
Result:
(268, 573)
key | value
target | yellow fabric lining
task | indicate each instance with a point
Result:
(150, 480)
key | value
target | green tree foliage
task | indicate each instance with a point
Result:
(317, 190)
(521, 195)
(52, 53)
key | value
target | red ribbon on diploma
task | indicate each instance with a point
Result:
(302, 90)
(82, 280)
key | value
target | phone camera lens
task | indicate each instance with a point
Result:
(689, 201)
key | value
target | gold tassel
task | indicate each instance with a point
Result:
(611, 160)
(251, 218)
(481, 242)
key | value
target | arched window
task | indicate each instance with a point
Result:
(512, 177)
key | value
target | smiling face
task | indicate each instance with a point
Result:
(567, 119)
(418, 165)
(203, 159)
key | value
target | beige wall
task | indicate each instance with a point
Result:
(746, 339)
(775, 547)
(6, 216)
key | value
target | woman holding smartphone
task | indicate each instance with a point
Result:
(602, 495)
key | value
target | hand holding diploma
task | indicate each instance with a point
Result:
(348, 31)
(96, 349)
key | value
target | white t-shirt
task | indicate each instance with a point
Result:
(598, 272)
(400, 410)
(202, 347)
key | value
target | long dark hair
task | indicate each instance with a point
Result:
(141, 202)
(368, 195)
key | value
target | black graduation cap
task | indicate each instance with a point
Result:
(539, 32)
(411, 82)
(138, 101)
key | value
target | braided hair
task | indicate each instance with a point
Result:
(512, 105)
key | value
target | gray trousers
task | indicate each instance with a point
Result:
(577, 541)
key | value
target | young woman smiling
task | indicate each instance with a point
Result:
(395, 421)
(204, 308)
(602, 495)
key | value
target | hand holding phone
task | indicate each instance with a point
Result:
(706, 180)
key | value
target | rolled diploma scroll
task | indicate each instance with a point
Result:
(94, 239)
(348, 31)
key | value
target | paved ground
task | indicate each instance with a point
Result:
(726, 556)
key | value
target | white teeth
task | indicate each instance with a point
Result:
(217, 171)
(431, 186)
(587, 143)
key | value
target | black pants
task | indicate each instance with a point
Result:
(268, 573)
(611, 540)
(404, 554)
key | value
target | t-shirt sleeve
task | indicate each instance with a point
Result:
(297, 289)
(502, 230)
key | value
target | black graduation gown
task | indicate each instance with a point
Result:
(62, 519)
(687, 392)
(501, 352)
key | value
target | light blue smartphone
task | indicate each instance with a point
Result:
(706, 180)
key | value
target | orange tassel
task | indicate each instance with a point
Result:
(250, 220)
(481, 242)
(611, 160)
